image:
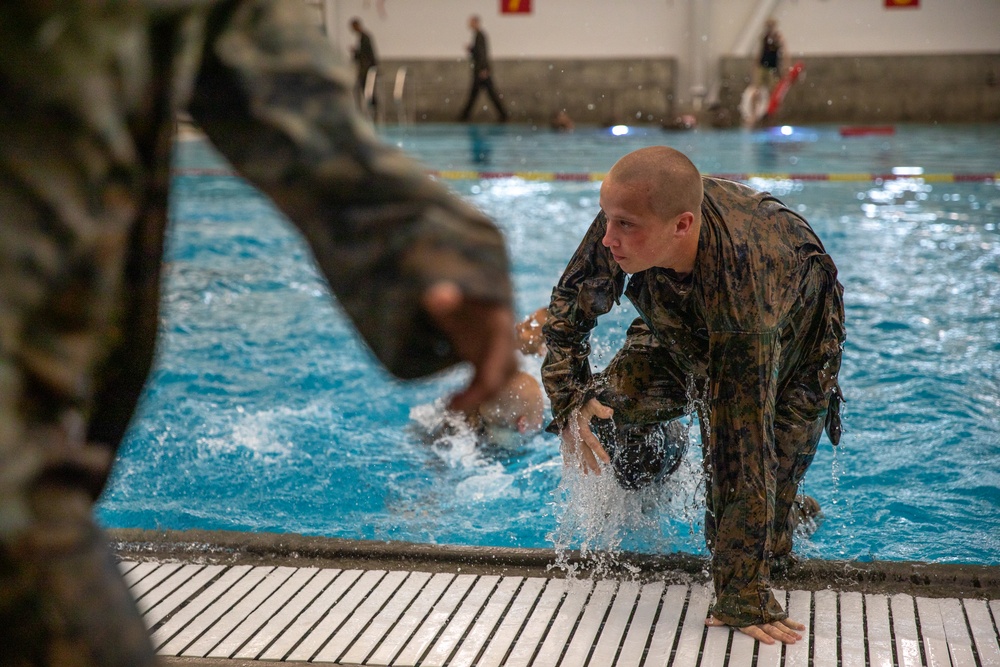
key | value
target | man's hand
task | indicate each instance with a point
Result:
(786, 631)
(579, 444)
(481, 333)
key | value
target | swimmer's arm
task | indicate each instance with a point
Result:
(272, 96)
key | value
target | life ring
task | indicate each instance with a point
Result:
(753, 104)
(757, 103)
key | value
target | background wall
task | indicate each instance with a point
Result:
(627, 28)
(698, 39)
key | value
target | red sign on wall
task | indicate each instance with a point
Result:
(515, 6)
(899, 4)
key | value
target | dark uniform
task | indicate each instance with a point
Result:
(769, 62)
(90, 91)
(482, 78)
(364, 59)
(751, 340)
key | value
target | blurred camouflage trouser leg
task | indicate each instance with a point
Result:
(63, 602)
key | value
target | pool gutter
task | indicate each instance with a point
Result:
(227, 547)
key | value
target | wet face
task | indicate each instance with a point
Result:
(637, 237)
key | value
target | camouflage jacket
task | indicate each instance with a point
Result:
(91, 91)
(732, 322)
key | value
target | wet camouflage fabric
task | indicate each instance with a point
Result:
(751, 341)
(89, 94)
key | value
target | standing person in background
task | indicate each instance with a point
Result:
(482, 72)
(364, 59)
(769, 60)
(91, 92)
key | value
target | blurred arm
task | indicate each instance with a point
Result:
(274, 100)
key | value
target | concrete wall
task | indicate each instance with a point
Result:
(693, 47)
(591, 91)
(663, 28)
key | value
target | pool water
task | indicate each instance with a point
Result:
(266, 413)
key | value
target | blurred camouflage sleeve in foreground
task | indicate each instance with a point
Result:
(273, 98)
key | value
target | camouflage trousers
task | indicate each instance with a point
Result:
(648, 390)
(65, 335)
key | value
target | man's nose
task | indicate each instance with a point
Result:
(607, 240)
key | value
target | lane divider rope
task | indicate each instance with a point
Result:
(594, 176)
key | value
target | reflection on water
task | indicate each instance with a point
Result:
(480, 146)
(265, 412)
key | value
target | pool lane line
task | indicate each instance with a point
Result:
(595, 176)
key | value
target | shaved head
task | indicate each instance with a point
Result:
(669, 179)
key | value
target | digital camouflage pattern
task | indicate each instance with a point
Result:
(90, 90)
(751, 340)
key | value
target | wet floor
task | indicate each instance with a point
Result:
(229, 598)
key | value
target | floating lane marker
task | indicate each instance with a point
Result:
(595, 176)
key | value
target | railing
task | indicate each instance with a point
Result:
(368, 97)
(399, 98)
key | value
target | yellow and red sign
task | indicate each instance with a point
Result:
(902, 4)
(515, 6)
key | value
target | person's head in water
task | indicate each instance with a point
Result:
(652, 201)
(517, 411)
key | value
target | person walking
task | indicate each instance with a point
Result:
(364, 59)
(769, 58)
(482, 73)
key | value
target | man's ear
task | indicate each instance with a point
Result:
(684, 222)
(522, 424)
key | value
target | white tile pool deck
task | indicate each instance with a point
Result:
(221, 606)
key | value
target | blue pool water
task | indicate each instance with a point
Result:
(266, 413)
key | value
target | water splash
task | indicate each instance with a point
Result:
(603, 520)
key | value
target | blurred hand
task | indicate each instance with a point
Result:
(580, 446)
(481, 333)
(786, 631)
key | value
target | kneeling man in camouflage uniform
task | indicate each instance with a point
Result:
(741, 320)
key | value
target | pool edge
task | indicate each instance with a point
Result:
(229, 547)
